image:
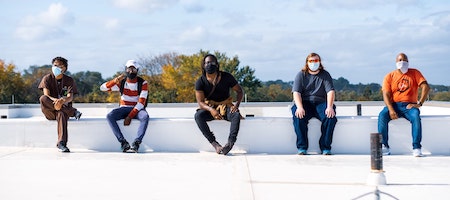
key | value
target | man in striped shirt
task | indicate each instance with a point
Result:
(133, 100)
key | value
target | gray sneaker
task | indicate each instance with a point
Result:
(78, 115)
(135, 146)
(63, 148)
(125, 146)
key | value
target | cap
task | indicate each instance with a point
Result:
(131, 63)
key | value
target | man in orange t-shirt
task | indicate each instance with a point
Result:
(400, 94)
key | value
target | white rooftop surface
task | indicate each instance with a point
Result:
(44, 173)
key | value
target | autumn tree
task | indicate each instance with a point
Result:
(11, 84)
(180, 79)
(151, 70)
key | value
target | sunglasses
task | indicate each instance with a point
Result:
(311, 61)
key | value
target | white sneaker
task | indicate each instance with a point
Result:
(385, 150)
(417, 153)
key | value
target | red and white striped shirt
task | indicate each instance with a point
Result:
(130, 96)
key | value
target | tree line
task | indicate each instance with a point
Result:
(171, 78)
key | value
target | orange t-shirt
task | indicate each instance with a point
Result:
(403, 87)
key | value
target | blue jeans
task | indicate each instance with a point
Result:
(412, 115)
(316, 110)
(121, 113)
(202, 116)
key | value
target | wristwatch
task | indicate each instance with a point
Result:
(420, 103)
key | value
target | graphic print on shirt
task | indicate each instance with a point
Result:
(403, 85)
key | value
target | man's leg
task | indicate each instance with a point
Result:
(413, 116)
(301, 130)
(47, 107)
(62, 119)
(201, 117)
(235, 119)
(383, 126)
(115, 115)
(143, 118)
(327, 128)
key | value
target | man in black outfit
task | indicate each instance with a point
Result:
(212, 91)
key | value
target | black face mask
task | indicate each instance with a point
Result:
(211, 68)
(131, 75)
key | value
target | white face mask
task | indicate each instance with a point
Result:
(402, 66)
(314, 66)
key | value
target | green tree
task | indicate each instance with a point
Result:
(88, 84)
(31, 78)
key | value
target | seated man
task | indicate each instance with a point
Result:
(313, 94)
(400, 94)
(56, 102)
(133, 101)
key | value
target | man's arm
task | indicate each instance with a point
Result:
(58, 103)
(300, 112)
(387, 98)
(425, 89)
(240, 94)
(330, 102)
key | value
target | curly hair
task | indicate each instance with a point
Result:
(62, 60)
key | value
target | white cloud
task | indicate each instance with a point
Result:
(195, 34)
(146, 6)
(49, 23)
(112, 24)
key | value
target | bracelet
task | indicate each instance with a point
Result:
(420, 103)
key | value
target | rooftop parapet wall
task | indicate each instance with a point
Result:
(259, 134)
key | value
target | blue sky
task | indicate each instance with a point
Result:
(357, 40)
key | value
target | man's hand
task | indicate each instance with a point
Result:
(118, 79)
(58, 103)
(127, 121)
(330, 112)
(413, 105)
(215, 114)
(300, 112)
(393, 115)
(234, 109)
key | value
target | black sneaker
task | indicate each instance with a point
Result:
(227, 148)
(78, 115)
(63, 148)
(135, 146)
(125, 146)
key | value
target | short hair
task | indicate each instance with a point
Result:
(403, 55)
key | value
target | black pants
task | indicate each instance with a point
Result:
(203, 116)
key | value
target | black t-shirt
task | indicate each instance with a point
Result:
(313, 87)
(222, 91)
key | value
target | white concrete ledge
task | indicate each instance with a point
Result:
(271, 135)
